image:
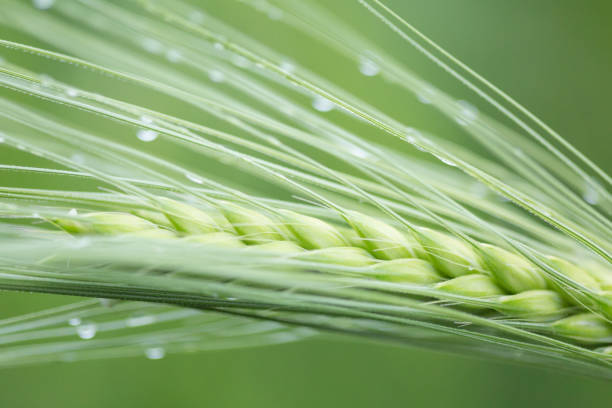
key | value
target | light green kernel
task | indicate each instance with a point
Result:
(382, 240)
(157, 218)
(535, 305)
(449, 255)
(408, 270)
(255, 227)
(602, 274)
(186, 218)
(575, 273)
(474, 285)
(513, 272)
(312, 233)
(221, 239)
(345, 256)
(281, 247)
(585, 328)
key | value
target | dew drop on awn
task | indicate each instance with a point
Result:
(146, 135)
(86, 331)
(322, 104)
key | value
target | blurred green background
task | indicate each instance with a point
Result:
(552, 55)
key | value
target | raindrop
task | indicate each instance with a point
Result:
(196, 16)
(445, 160)
(152, 45)
(72, 92)
(590, 195)
(146, 135)
(322, 104)
(146, 120)
(73, 212)
(78, 158)
(240, 61)
(155, 353)
(74, 321)
(86, 331)
(368, 67)
(467, 114)
(358, 152)
(173, 55)
(43, 4)
(425, 96)
(218, 46)
(1, 139)
(216, 75)
(287, 66)
(137, 321)
(275, 14)
(194, 178)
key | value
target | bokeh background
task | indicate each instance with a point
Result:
(555, 56)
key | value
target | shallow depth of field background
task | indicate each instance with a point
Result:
(552, 55)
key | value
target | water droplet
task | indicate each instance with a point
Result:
(146, 135)
(74, 321)
(36, 215)
(426, 95)
(275, 13)
(1, 139)
(445, 160)
(358, 152)
(322, 104)
(43, 4)
(78, 158)
(590, 195)
(218, 46)
(137, 321)
(287, 66)
(368, 67)
(72, 92)
(196, 16)
(216, 75)
(467, 113)
(152, 45)
(240, 61)
(86, 331)
(173, 55)
(73, 212)
(146, 120)
(194, 178)
(155, 353)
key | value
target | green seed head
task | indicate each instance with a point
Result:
(513, 272)
(221, 239)
(474, 285)
(312, 233)
(345, 256)
(534, 305)
(186, 218)
(585, 328)
(382, 240)
(449, 255)
(255, 227)
(408, 270)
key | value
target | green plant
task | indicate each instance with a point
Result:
(272, 210)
